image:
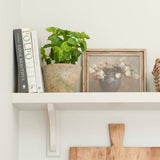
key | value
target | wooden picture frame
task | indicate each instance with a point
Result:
(134, 56)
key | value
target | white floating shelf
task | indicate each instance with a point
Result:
(124, 97)
(86, 100)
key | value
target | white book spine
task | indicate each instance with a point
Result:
(36, 55)
(29, 61)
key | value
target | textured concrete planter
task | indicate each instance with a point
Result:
(61, 77)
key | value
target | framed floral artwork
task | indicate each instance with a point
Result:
(107, 70)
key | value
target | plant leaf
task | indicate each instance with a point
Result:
(83, 45)
(67, 55)
(63, 32)
(56, 49)
(48, 61)
(52, 29)
(83, 35)
(65, 47)
(66, 37)
(55, 40)
(73, 60)
(76, 34)
(44, 57)
(42, 51)
(51, 54)
(76, 53)
(72, 41)
(60, 55)
(47, 45)
(52, 36)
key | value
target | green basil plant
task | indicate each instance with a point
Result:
(65, 46)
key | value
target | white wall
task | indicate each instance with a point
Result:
(85, 128)
(110, 24)
(9, 16)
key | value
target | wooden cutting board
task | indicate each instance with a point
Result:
(116, 151)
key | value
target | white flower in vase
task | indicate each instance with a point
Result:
(99, 74)
(91, 70)
(128, 73)
(118, 75)
(94, 66)
(126, 68)
(101, 64)
(122, 64)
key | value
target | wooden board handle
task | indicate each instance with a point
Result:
(116, 132)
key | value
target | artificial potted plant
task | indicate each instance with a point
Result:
(61, 74)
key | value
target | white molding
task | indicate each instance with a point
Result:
(52, 138)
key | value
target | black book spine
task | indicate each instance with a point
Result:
(19, 53)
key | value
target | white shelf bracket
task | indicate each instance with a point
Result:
(53, 142)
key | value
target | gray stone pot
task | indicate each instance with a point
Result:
(61, 77)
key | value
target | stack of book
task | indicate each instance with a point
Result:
(28, 61)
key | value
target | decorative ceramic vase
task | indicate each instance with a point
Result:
(110, 83)
(61, 77)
